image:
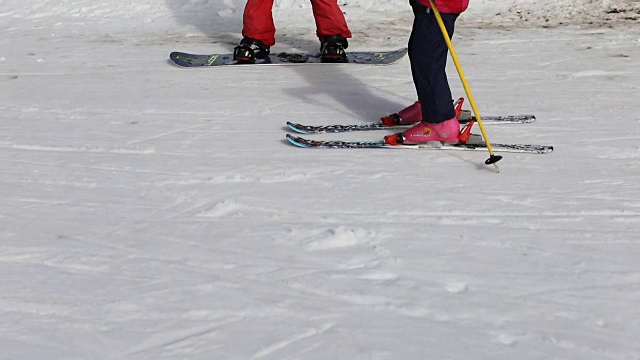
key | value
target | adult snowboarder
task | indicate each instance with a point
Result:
(259, 31)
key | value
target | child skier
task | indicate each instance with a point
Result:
(428, 56)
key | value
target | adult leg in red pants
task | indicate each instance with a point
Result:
(257, 21)
(259, 30)
(331, 29)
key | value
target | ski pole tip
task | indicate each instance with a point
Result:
(493, 159)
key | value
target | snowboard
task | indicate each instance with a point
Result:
(287, 58)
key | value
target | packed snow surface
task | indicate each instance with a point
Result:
(155, 212)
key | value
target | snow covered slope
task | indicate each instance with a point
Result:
(153, 212)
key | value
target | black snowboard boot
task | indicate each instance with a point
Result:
(332, 48)
(249, 50)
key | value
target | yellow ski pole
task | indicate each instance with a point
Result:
(493, 159)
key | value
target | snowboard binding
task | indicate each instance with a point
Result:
(249, 50)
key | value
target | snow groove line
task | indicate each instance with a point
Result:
(180, 337)
(267, 350)
(79, 149)
(176, 131)
(470, 214)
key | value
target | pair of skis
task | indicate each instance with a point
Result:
(474, 143)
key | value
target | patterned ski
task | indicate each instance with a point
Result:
(338, 128)
(474, 144)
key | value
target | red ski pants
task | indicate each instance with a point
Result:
(258, 24)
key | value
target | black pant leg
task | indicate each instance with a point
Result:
(428, 55)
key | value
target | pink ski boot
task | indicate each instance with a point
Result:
(409, 115)
(423, 132)
(413, 114)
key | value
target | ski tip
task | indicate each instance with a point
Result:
(526, 119)
(296, 127)
(295, 140)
